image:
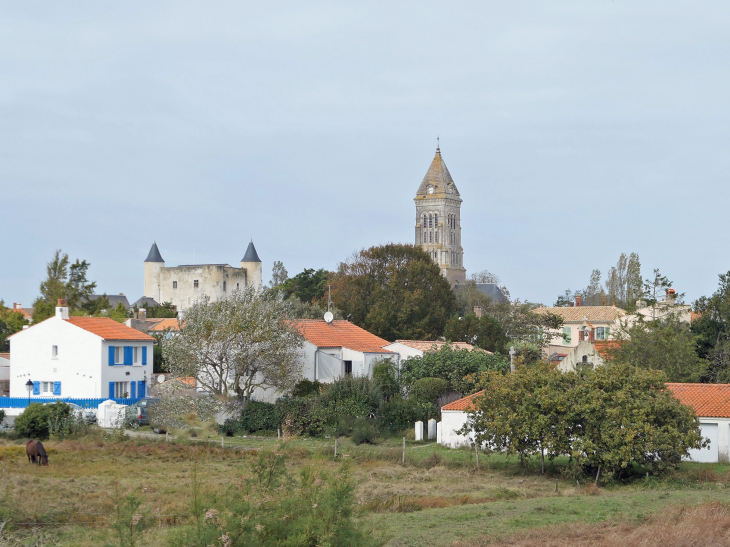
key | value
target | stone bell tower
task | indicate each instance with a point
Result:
(438, 220)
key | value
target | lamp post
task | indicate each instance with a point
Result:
(512, 354)
(29, 387)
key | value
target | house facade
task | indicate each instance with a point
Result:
(589, 323)
(80, 357)
(406, 349)
(339, 348)
(594, 354)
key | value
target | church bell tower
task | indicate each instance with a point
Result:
(438, 220)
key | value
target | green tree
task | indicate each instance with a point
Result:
(483, 332)
(278, 274)
(307, 286)
(10, 323)
(624, 284)
(36, 419)
(665, 344)
(162, 311)
(394, 291)
(63, 281)
(712, 327)
(298, 309)
(452, 365)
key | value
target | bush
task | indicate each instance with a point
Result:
(399, 414)
(259, 416)
(353, 396)
(428, 390)
(36, 420)
(2, 416)
(363, 431)
(306, 388)
(385, 374)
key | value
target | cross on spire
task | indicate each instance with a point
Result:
(438, 142)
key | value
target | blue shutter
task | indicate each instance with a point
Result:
(127, 355)
(111, 355)
(141, 390)
(133, 387)
(57, 388)
(36, 388)
(111, 390)
(144, 355)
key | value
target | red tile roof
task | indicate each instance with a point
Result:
(340, 334)
(462, 404)
(425, 345)
(604, 347)
(5, 356)
(708, 400)
(108, 329)
(594, 314)
(164, 325)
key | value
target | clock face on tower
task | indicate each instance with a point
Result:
(430, 189)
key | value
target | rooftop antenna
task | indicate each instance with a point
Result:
(329, 316)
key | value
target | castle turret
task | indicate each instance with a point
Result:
(153, 265)
(252, 263)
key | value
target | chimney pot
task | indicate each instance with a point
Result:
(578, 300)
(142, 313)
(478, 311)
(62, 309)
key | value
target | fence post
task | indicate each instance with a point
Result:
(335, 447)
(404, 451)
(222, 445)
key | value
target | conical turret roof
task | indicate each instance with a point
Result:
(251, 254)
(438, 177)
(154, 255)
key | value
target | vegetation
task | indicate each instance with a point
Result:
(38, 421)
(308, 286)
(483, 332)
(236, 345)
(395, 292)
(623, 286)
(10, 323)
(64, 280)
(607, 419)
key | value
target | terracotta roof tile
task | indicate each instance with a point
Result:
(462, 404)
(604, 347)
(594, 314)
(108, 329)
(425, 345)
(708, 400)
(340, 334)
(165, 324)
(5, 356)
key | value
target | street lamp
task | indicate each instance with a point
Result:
(29, 387)
(512, 354)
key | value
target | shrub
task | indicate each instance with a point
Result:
(2, 416)
(259, 416)
(363, 431)
(399, 414)
(35, 421)
(353, 396)
(428, 390)
(306, 388)
(385, 374)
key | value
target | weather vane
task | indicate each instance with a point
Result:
(438, 143)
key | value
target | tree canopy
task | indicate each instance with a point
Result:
(10, 323)
(307, 286)
(63, 280)
(394, 291)
(483, 332)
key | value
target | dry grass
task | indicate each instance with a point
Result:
(707, 525)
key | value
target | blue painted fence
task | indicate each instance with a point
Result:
(22, 402)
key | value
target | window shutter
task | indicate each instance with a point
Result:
(141, 390)
(144, 355)
(57, 388)
(127, 355)
(111, 355)
(36, 388)
(606, 332)
(133, 389)
(111, 390)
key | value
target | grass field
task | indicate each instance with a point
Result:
(436, 498)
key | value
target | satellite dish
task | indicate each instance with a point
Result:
(160, 378)
(328, 317)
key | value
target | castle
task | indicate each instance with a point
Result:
(438, 220)
(182, 285)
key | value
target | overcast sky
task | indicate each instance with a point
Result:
(574, 131)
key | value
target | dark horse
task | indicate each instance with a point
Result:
(36, 453)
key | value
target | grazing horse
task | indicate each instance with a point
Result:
(36, 453)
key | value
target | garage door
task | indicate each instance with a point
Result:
(706, 455)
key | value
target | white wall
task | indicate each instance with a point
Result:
(81, 366)
(718, 431)
(451, 422)
(576, 356)
(403, 351)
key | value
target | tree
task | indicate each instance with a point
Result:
(10, 323)
(308, 285)
(453, 365)
(237, 345)
(166, 310)
(483, 332)
(63, 282)
(712, 327)
(296, 309)
(394, 291)
(278, 274)
(624, 284)
(36, 419)
(665, 344)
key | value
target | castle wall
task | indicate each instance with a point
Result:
(177, 284)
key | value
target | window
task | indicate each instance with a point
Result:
(436, 220)
(585, 359)
(348, 368)
(121, 390)
(46, 388)
(437, 236)
(54, 352)
(430, 236)
(424, 221)
(195, 284)
(236, 285)
(118, 355)
(430, 221)
(601, 333)
(566, 336)
(224, 286)
(136, 355)
(174, 284)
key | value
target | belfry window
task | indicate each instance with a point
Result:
(430, 221)
(437, 236)
(430, 237)
(425, 220)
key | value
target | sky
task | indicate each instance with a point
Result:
(574, 131)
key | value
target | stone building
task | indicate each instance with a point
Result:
(438, 220)
(182, 285)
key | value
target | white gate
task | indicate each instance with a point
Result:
(707, 455)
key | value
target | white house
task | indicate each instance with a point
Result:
(711, 403)
(4, 374)
(84, 357)
(453, 418)
(339, 348)
(407, 349)
(588, 353)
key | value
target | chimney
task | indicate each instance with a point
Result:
(478, 311)
(671, 296)
(142, 313)
(17, 306)
(578, 300)
(62, 309)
